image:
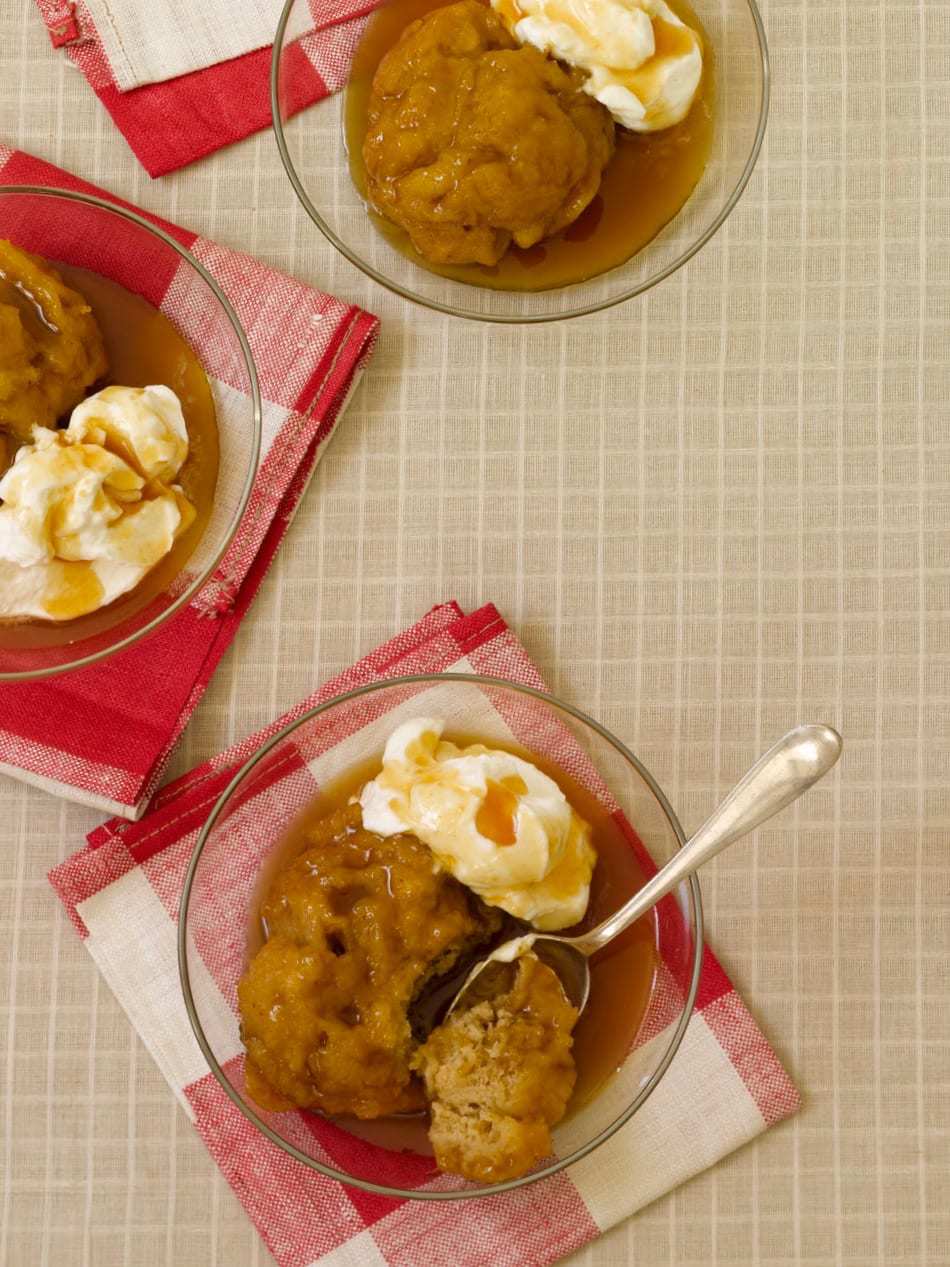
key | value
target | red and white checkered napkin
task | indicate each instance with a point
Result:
(103, 735)
(724, 1087)
(182, 80)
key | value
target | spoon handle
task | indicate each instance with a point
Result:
(779, 777)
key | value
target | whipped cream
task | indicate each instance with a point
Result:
(643, 63)
(89, 510)
(497, 823)
(144, 425)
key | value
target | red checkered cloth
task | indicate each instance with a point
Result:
(103, 735)
(171, 123)
(121, 892)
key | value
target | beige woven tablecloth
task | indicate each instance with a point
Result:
(709, 514)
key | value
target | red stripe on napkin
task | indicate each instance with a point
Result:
(17, 167)
(103, 734)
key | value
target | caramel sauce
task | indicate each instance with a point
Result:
(495, 819)
(622, 974)
(117, 444)
(672, 39)
(30, 310)
(646, 183)
(75, 587)
(144, 348)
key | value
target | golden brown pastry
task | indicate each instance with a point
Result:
(475, 142)
(355, 924)
(499, 1075)
(51, 348)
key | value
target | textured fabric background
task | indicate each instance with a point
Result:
(708, 514)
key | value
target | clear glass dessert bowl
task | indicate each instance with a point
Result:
(234, 858)
(82, 231)
(311, 140)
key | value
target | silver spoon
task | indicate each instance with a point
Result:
(779, 777)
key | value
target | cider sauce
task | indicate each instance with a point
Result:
(644, 185)
(144, 348)
(622, 974)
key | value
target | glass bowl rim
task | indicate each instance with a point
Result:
(126, 213)
(584, 310)
(696, 928)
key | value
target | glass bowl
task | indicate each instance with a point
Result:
(85, 231)
(311, 144)
(222, 890)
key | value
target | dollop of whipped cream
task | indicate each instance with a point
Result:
(87, 511)
(643, 63)
(496, 822)
(144, 425)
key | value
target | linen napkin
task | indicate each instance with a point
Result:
(182, 80)
(121, 892)
(102, 735)
(149, 43)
